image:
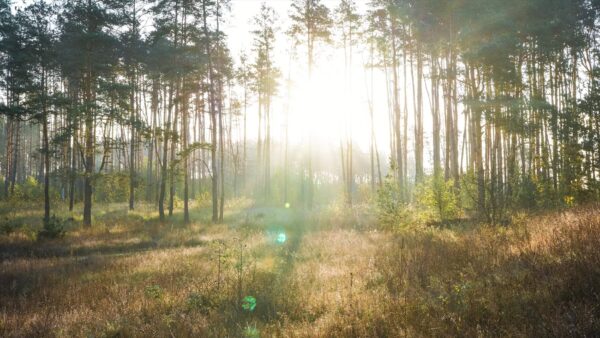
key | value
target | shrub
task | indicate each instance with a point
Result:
(112, 187)
(53, 228)
(437, 198)
(7, 227)
(9, 222)
(203, 199)
(153, 291)
(199, 302)
(392, 210)
(28, 191)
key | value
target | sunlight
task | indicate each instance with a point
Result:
(312, 118)
(325, 109)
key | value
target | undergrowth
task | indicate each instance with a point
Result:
(279, 272)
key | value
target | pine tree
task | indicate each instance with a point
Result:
(88, 52)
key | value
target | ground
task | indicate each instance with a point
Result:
(285, 272)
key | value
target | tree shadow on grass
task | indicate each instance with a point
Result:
(136, 234)
(100, 240)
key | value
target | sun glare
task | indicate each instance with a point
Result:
(326, 111)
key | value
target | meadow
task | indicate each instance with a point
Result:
(282, 272)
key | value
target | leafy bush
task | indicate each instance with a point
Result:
(7, 227)
(113, 187)
(53, 228)
(203, 199)
(437, 198)
(199, 302)
(526, 193)
(392, 210)
(28, 191)
(153, 291)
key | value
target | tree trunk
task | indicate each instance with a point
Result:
(132, 144)
(184, 139)
(435, 115)
(419, 118)
(89, 169)
(163, 169)
(46, 170)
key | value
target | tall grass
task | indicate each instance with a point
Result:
(335, 275)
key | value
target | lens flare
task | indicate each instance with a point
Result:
(281, 238)
(249, 303)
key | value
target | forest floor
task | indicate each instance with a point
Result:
(280, 272)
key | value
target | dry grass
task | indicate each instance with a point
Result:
(130, 276)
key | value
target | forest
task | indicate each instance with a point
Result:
(299, 168)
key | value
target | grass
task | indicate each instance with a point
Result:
(335, 275)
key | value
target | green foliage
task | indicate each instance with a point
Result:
(153, 291)
(311, 21)
(468, 192)
(203, 199)
(199, 302)
(30, 190)
(531, 193)
(114, 187)
(53, 228)
(191, 148)
(392, 211)
(437, 198)
(7, 227)
(569, 201)
(526, 193)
